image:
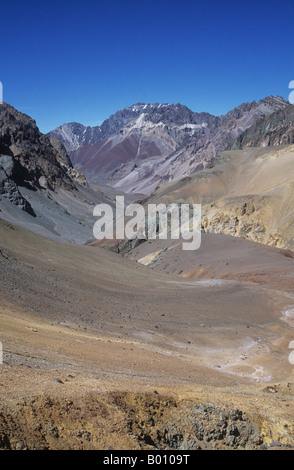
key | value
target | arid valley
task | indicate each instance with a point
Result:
(138, 344)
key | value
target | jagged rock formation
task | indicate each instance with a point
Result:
(62, 154)
(64, 160)
(21, 139)
(37, 177)
(275, 129)
(27, 158)
(75, 135)
(9, 169)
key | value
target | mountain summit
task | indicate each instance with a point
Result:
(144, 145)
(75, 135)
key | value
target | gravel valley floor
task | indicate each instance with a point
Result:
(100, 351)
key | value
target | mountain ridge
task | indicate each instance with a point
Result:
(275, 129)
(39, 188)
(123, 116)
(75, 135)
(145, 145)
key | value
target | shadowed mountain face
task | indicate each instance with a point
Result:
(27, 159)
(143, 146)
(29, 150)
(275, 129)
(39, 189)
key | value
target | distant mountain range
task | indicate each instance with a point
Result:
(145, 145)
(148, 146)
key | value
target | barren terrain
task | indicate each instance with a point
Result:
(245, 193)
(101, 351)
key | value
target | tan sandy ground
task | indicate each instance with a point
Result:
(102, 324)
(246, 193)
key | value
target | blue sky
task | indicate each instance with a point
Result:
(64, 61)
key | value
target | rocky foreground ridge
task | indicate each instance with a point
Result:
(39, 188)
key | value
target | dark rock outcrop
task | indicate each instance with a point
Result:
(10, 171)
(37, 161)
(27, 159)
(275, 129)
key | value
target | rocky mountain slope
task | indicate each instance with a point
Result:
(146, 145)
(64, 161)
(247, 199)
(39, 188)
(75, 135)
(245, 193)
(23, 144)
(275, 129)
